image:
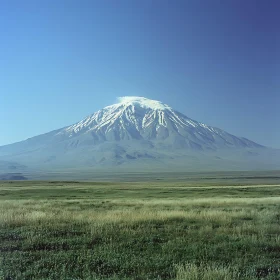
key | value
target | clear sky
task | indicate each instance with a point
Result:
(215, 61)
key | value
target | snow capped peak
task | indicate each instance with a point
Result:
(142, 102)
(139, 118)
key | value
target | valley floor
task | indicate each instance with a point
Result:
(147, 230)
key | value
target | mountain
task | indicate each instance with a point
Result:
(139, 132)
(138, 118)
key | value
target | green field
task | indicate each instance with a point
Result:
(147, 230)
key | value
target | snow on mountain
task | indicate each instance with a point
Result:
(142, 102)
(135, 131)
(136, 118)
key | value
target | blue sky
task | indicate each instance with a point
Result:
(215, 61)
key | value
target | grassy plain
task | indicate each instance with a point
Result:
(147, 230)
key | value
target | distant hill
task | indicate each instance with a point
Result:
(12, 176)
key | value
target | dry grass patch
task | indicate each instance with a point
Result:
(192, 271)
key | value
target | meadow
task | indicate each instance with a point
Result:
(140, 230)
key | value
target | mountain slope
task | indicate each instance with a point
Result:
(6, 166)
(136, 131)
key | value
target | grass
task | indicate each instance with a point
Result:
(206, 272)
(162, 230)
